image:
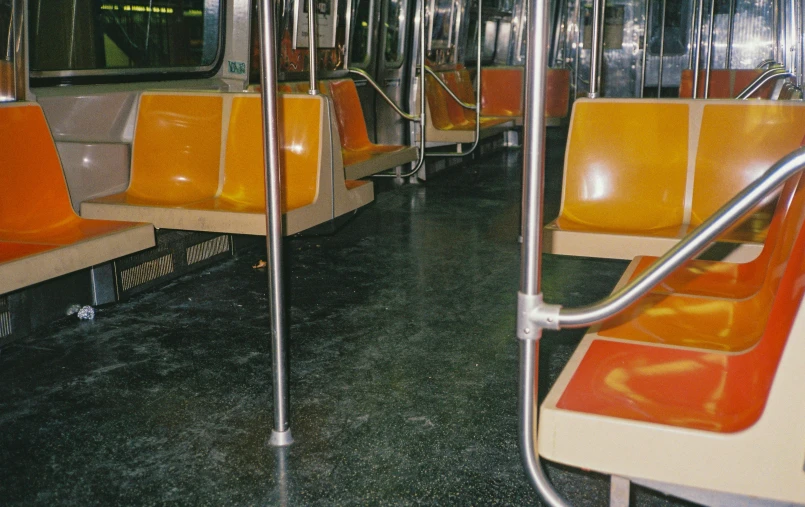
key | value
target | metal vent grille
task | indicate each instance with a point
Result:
(146, 272)
(5, 318)
(207, 249)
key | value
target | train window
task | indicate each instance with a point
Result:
(676, 35)
(393, 34)
(487, 43)
(613, 27)
(361, 53)
(90, 37)
(441, 16)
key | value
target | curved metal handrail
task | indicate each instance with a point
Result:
(769, 63)
(686, 249)
(378, 89)
(465, 105)
(758, 82)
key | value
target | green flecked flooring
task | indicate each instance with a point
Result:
(403, 369)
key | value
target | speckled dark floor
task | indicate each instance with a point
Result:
(403, 369)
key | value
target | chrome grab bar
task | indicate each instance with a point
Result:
(378, 89)
(772, 73)
(555, 317)
(767, 64)
(465, 105)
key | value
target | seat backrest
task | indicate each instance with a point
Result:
(465, 90)
(724, 84)
(626, 155)
(557, 93)
(34, 191)
(496, 80)
(348, 114)
(437, 103)
(300, 126)
(176, 151)
(739, 141)
(454, 109)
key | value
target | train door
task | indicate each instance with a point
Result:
(392, 73)
(362, 55)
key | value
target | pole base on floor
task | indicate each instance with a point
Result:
(280, 438)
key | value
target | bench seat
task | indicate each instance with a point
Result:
(509, 105)
(361, 157)
(215, 181)
(640, 174)
(724, 84)
(730, 422)
(450, 123)
(41, 237)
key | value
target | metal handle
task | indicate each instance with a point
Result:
(313, 42)
(465, 105)
(769, 75)
(378, 89)
(686, 249)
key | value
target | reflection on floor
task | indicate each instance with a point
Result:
(402, 356)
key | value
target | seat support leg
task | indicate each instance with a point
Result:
(619, 492)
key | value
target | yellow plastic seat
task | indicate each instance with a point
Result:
(41, 237)
(640, 174)
(218, 183)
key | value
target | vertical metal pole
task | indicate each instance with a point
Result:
(646, 30)
(479, 52)
(801, 46)
(20, 49)
(281, 433)
(698, 55)
(662, 48)
(313, 43)
(730, 31)
(775, 23)
(709, 63)
(597, 50)
(558, 21)
(692, 33)
(577, 52)
(533, 183)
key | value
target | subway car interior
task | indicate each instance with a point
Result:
(402, 252)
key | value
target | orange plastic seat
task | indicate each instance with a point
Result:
(724, 84)
(716, 392)
(557, 93)
(216, 183)
(41, 237)
(450, 123)
(700, 277)
(640, 174)
(502, 93)
(361, 157)
(496, 80)
(700, 419)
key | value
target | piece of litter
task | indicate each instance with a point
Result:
(73, 309)
(86, 313)
(260, 264)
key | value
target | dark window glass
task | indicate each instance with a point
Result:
(123, 34)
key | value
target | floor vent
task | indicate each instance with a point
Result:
(146, 272)
(176, 253)
(5, 318)
(207, 249)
